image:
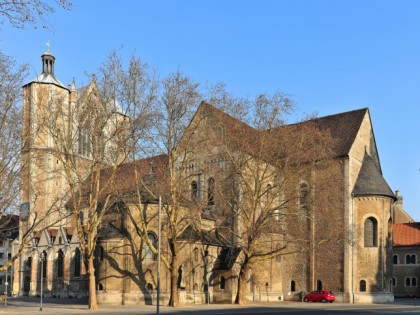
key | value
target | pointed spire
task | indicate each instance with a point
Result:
(73, 85)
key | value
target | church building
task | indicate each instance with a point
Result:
(332, 231)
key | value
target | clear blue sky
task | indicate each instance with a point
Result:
(331, 56)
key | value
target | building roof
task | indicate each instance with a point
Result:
(147, 176)
(342, 127)
(407, 234)
(47, 78)
(370, 180)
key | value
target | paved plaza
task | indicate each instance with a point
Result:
(79, 306)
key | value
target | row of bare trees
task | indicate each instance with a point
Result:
(128, 113)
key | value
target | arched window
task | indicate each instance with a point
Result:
(319, 285)
(371, 232)
(194, 191)
(407, 282)
(196, 254)
(222, 282)
(210, 191)
(29, 263)
(293, 286)
(303, 195)
(394, 282)
(84, 144)
(414, 282)
(77, 262)
(148, 253)
(410, 259)
(395, 260)
(362, 286)
(60, 264)
(101, 253)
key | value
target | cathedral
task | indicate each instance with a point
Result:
(322, 220)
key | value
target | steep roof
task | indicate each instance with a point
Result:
(407, 234)
(343, 128)
(370, 180)
(131, 177)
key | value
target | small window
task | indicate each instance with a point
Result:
(362, 286)
(292, 286)
(196, 254)
(148, 253)
(210, 191)
(394, 282)
(222, 282)
(414, 282)
(410, 259)
(1, 255)
(303, 195)
(194, 191)
(407, 282)
(371, 232)
(395, 260)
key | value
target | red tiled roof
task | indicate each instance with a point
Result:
(407, 234)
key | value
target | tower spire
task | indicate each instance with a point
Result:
(48, 61)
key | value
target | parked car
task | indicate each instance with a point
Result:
(320, 296)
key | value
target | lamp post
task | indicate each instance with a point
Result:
(42, 270)
(7, 270)
(159, 253)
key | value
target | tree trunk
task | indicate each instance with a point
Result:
(174, 298)
(240, 295)
(93, 304)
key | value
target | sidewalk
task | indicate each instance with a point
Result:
(29, 306)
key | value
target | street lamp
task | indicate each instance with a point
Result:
(42, 270)
(7, 270)
(159, 254)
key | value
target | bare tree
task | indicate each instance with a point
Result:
(259, 192)
(20, 13)
(92, 137)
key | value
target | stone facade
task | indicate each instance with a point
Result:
(351, 203)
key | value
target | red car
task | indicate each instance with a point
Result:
(320, 296)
